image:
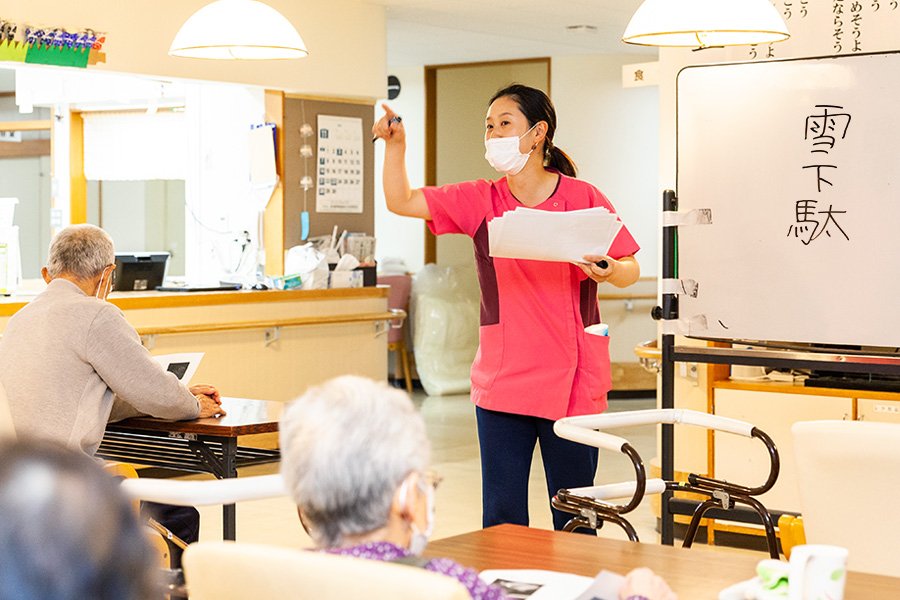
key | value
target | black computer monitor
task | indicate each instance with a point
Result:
(140, 271)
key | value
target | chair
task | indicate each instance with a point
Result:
(791, 533)
(207, 492)
(155, 536)
(848, 477)
(232, 570)
(399, 300)
(590, 504)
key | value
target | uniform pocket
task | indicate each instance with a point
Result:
(597, 365)
(489, 356)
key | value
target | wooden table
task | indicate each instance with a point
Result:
(694, 574)
(207, 445)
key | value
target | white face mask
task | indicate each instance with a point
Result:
(420, 538)
(503, 153)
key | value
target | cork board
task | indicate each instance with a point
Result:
(298, 111)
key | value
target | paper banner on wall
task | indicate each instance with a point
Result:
(263, 174)
(339, 165)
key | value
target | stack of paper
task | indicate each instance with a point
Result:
(553, 236)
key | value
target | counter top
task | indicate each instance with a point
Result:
(799, 388)
(153, 299)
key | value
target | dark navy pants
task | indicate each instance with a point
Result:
(507, 446)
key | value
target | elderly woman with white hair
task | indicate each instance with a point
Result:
(354, 457)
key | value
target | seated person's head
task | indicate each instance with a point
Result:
(353, 455)
(83, 254)
(67, 532)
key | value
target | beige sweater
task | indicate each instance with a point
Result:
(63, 359)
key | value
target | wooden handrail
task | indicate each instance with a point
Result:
(43, 125)
(626, 296)
(268, 323)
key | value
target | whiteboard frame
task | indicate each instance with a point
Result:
(803, 345)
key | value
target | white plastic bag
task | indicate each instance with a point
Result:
(310, 264)
(445, 305)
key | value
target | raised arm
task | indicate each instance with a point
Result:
(399, 197)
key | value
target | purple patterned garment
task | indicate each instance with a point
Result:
(386, 551)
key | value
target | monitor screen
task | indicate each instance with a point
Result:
(140, 271)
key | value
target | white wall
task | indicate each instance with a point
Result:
(396, 236)
(140, 32)
(612, 135)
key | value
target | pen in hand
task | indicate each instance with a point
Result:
(394, 119)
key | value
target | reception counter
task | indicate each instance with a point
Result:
(269, 345)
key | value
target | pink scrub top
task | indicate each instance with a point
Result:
(534, 357)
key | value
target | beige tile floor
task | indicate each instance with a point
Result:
(451, 427)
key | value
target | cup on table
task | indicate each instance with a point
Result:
(817, 571)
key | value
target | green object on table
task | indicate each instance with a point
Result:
(773, 576)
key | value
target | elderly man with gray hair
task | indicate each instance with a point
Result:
(69, 356)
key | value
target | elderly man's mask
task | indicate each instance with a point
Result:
(104, 286)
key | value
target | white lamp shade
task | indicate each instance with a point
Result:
(705, 23)
(238, 30)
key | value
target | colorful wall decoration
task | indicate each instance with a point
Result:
(50, 45)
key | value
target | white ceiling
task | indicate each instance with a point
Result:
(431, 32)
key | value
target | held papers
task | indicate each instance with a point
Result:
(533, 234)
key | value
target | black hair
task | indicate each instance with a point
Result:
(536, 106)
(67, 531)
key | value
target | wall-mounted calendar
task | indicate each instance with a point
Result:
(339, 165)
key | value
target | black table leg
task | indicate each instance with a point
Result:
(229, 514)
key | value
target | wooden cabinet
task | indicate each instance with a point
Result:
(773, 407)
(879, 410)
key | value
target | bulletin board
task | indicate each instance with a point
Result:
(797, 162)
(297, 112)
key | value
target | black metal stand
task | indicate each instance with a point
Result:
(669, 311)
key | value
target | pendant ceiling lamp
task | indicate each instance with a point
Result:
(705, 23)
(238, 30)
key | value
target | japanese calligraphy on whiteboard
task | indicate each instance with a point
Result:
(340, 165)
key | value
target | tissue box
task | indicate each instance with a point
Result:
(346, 279)
(369, 276)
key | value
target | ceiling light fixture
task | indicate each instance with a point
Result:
(705, 23)
(238, 30)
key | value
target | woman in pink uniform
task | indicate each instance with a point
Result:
(535, 363)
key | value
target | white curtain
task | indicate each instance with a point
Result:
(130, 146)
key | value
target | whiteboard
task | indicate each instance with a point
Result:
(799, 161)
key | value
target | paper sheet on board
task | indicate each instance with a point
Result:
(182, 365)
(527, 233)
